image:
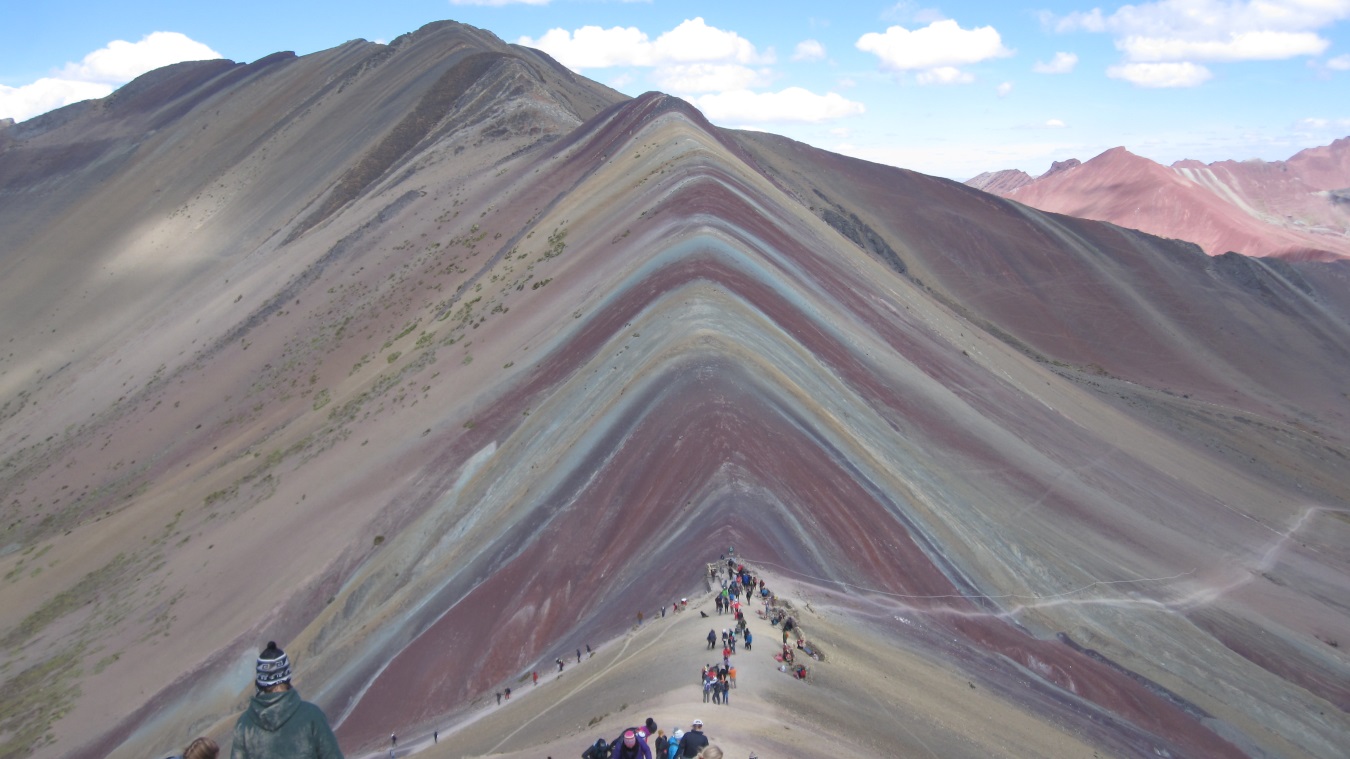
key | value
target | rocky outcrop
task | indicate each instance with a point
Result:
(1000, 182)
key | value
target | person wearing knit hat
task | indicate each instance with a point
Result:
(641, 734)
(277, 723)
(631, 745)
(273, 668)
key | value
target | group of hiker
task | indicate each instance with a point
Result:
(278, 723)
(647, 741)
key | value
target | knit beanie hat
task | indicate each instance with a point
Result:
(629, 739)
(273, 666)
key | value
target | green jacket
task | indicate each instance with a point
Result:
(281, 726)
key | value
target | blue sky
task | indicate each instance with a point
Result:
(947, 88)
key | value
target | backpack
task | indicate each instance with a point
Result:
(599, 751)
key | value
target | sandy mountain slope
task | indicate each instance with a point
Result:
(1286, 209)
(434, 362)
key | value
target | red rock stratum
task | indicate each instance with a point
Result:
(1297, 210)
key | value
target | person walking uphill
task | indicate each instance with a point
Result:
(693, 741)
(630, 746)
(277, 724)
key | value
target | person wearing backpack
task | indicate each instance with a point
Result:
(630, 745)
(693, 741)
(643, 731)
(599, 750)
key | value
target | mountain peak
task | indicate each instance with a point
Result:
(1059, 166)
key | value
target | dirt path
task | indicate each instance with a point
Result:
(657, 666)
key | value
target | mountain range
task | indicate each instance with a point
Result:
(1295, 210)
(434, 361)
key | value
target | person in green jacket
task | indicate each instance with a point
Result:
(277, 724)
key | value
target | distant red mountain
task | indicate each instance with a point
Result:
(1297, 209)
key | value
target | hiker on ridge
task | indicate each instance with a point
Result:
(630, 746)
(693, 741)
(277, 723)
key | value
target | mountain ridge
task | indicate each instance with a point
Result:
(527, 368)
(1282, 209)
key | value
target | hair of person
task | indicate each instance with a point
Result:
(202, 748)
(710, 752)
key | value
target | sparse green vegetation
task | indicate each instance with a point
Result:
(35, 699)
(81, 593)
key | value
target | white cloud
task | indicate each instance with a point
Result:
(1062, 63)
(1319, 124)
(100, 72)
(909, 11)
(794, 104)
(944, 75)
(1184, 74)
(592, 47)
(709, 77)
(22, 103)
(1339, 63)
(1091, 21)
(1055, 124)
(692, 41)
(1212, 30)
(1241, 46)
(847, 83)
(1004, 88)
(1201, 19)
(809, 50)
(122, 61)
(941, 43)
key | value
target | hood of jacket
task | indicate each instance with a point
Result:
(273, 710)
